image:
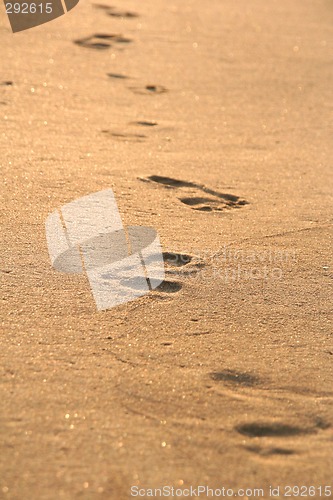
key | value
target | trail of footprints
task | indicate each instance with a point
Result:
(193, 195)
(105, 41)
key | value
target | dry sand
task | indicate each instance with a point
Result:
(224, 376)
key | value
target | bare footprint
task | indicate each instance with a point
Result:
(137, 283)
(149, 90)
(130, 136)
(271, 429)
(182, 265)
(123, 14)
(174, 265)
(169, 287)
(125, 137)
(176, 259)
(234, 378)
(216, 201)
(101, 41)
(118, 76)
(203, 204)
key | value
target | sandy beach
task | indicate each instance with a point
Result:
(212, 124)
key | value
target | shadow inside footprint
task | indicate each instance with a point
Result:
(168, 286)
(195, 201)
(125, 137)
(111, 11)
(143, 123)
(273, 429)
(155, 89)
(204, 204)
(219, 202)
(176, 259)
(234, 377)
(94, 41)
(149, 89)
(169, 182)
(135, 283)
(125, 13)
(269, 451)
(117, 76)
(141, 282)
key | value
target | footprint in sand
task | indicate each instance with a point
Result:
(149, 90)
(144, 123)
(113, 12)
(271, 429)
(279, 430)
(269, 451)
(145, 90)
(215, 201)
(118, 76)
(125, 137)
(243, 385)
(174, 267)
(130, 136)
(232, 377)
(101, 41)
(5, 83)
(182, 264)
(166, 286)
